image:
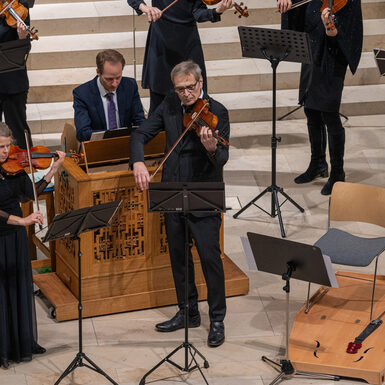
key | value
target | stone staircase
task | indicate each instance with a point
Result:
(72, 32)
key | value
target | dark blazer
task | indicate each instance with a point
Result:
(189, 162)
(13, 82)
(89, 112)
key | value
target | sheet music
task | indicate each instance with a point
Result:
(330, 271)
(248, 253)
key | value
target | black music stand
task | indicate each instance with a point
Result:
(379, 55)
(185, 198)
(14, 54)
(72, 224)
(291, 260)
(274, 45)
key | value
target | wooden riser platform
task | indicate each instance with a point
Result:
(319, 339)
(66, 305)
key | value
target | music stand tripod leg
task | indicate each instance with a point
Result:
(251, 203)
(78, 360)
(186, 344)
(285, 365)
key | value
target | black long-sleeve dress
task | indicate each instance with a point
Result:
(322, 82)
(172, 39)
(18, 331)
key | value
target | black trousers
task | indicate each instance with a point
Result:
(205, 232)
(14, 109)
(317, 120)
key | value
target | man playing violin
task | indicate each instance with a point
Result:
(172, 38)
(195, 159)
(14, 87)
(336, 43)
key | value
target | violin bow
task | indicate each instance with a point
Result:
(303, 2)
(178, 140)
(26, 135)
(169, 6)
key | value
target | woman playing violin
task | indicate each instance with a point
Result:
(172, 38)
(195, 159)
(336, 43)
(18, 331)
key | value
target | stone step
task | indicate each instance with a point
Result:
(234, 75)
(243, 132)
(116, 16)
(243, 106)
(75, 51)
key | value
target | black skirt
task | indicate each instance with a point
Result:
(167, 45)
(18, 331)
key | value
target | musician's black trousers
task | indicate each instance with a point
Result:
(205, 232)
(317, 120)
(15, 115)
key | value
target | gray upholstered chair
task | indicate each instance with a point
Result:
(358, 203)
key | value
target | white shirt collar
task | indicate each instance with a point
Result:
(103, 92)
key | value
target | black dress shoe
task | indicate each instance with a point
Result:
(216, 334)
(312, 172)
(328, 187)
(177, 322)
(37, 349)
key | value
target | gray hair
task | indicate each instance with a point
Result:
(5, 131)
(186, 68)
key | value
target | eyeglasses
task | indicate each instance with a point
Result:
(189, 88)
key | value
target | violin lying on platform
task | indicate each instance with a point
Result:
(41, 159)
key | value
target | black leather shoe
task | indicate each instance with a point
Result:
(312, 172)
(216, 334)
(328, 187)
(37, 349)
(177, 322)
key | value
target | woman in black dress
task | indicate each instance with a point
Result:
(18, 331)
(334, 46)
(172, 38)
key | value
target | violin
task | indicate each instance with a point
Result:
(334, 5)
(13, 11)
(41, 159)
(238, 7)
(201, 116)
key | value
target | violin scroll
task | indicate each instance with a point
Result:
(242, 11)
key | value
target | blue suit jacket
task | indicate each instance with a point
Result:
(89, 112)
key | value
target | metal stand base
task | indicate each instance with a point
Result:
(275, 206)
(78, 362)
(287, 370)
(190, 350)
(80, 356)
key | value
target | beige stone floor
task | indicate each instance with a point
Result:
(126, 345)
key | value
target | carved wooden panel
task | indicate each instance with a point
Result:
(125, 237)
(64, 203)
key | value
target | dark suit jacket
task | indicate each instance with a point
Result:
(89, 112)
(16, 81)
(189, 162)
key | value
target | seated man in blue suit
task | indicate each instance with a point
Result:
(109, 100)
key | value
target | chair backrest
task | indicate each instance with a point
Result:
(357, 202)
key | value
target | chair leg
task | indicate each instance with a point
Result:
(374, 288)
